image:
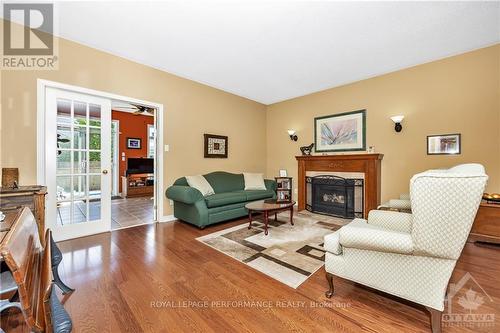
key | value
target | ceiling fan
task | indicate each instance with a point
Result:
(138, 109)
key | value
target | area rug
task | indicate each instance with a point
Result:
(289, 254)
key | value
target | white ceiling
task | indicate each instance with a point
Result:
(273, 51)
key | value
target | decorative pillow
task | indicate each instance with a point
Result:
(200, 183)
(254, 181)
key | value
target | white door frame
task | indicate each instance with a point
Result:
(116, 158)
(159, 188)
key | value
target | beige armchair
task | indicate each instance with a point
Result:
(402, 204)
(411, 255)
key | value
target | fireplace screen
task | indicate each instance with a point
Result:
(335, 196)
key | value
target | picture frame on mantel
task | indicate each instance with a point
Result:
(340, 132)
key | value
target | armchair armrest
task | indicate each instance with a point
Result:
(360, 235)
(270, 184)
(400, 204)
(186, 194)
(396, 221)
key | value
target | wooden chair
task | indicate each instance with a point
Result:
(31, 269)
(22, 252)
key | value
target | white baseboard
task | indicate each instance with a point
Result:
(167, 218)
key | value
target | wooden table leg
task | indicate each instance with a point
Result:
(291, 215)
(249, 219)
(266, 220)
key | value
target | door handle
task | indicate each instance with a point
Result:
(105, 172)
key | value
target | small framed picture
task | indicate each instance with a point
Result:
(283, 173)
(133, 143)
(215, 146)
(445, 144)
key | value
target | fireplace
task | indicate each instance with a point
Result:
(336, 196)
(350, 166)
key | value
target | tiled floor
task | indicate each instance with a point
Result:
(132, 211)
(124, 212)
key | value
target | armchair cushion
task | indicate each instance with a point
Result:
(396, 221)
(360, 235)
(184, 194)
(332, 243)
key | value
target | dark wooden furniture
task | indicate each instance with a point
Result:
(486, 227)
(283, 189)
(31, 264)
(138, 185)
(22, 252)
(32, 197)
(267, 207)
(369, 164)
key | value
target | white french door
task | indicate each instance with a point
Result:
(77, 163)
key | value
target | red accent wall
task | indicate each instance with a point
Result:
(131, 126)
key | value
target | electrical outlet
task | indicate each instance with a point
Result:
(171, 202)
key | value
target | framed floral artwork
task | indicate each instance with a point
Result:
(340, 132)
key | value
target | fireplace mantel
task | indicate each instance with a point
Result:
(369, 164)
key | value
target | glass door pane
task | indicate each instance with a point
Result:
(78, 167)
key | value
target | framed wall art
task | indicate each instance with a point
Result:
(340, 132)
(445, 144)
(216, 146)
(133, 143)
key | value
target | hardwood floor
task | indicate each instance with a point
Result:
(158, 278)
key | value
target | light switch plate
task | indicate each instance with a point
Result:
(167, 147)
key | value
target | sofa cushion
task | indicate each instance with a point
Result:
(254, 181)
(200, 183)
(258, 194)
(222, 199)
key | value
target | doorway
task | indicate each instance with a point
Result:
(135, 175)
(79, 160)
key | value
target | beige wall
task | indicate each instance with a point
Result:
(191, 109)
(456, 95)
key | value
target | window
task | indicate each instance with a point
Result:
(151, 141)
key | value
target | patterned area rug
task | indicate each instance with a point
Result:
(289, 254)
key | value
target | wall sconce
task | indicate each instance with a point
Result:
(292, 135)
(397, 123)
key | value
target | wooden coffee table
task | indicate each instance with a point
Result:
(267, 207)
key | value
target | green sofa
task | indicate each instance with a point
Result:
(227, 203)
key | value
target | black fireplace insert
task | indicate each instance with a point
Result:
(336, 196)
